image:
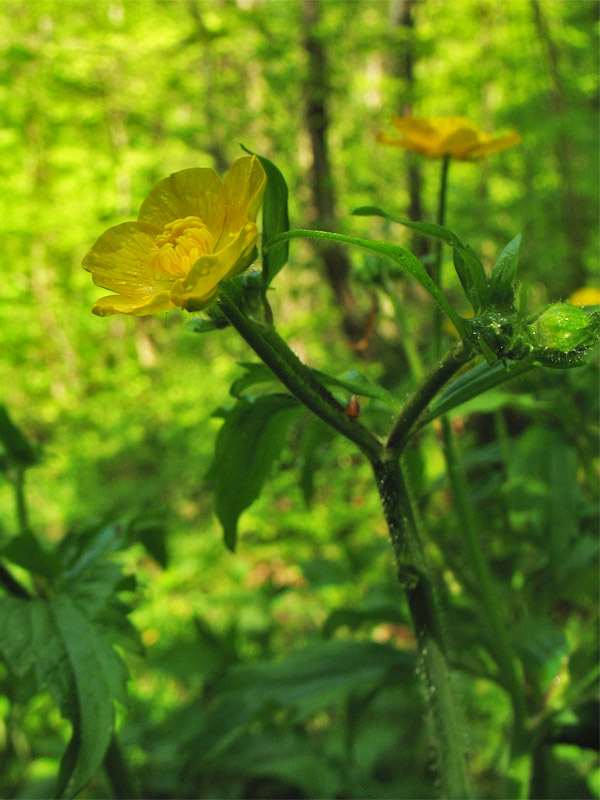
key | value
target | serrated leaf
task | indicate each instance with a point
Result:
(399, 255)
(503, 274)
(275, 219)
(72, 660)
(250, 440)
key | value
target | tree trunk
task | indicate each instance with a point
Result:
(571, 202)
(337, 265)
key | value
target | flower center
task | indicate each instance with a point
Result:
(179, 246)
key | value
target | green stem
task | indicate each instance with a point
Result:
(21, 505)
(298, 378)
(436, 271)
(118, 772)
(433, 664)
(502, 649)
(451, 362)
(406, 340)
(300, 381)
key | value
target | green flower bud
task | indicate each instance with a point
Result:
(563, 334)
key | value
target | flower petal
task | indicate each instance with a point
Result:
(195, 192)
(501, 143)
(459, 143)
(119, 260)
(244, 186)
(138, 306)
(200, 284)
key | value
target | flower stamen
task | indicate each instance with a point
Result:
(179, 246)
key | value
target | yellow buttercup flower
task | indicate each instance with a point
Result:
(586, 296)
(447, 136)
(193, 230)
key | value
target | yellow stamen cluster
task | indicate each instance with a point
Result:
(179, 246)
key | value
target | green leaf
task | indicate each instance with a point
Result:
(69, 658)
(18, 448)
(468, 267)
(546, 498)
(474, 382)
(316, 675)
(26, 551)
(202, 325)
(472, 277)
(357, 383)
(275, 219)
(248, 443)
(426, 228)
(399, 255)
(256, 373)
(315, 435)
(503, 275)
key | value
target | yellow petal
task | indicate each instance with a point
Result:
(119, 260)
(586, 296)
(195, 192)
(501, 143)
(459, 142)
(415, 127)
(200, 283)
(138, 306)
(244, 186)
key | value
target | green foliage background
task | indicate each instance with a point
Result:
(100, 100)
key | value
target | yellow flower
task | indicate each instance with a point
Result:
(193, 230)
(587, 296)
(446, 136)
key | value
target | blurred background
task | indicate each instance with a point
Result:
(100, 100)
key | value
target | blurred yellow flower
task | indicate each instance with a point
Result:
(587, 296)
(193, 230)
(446, 136)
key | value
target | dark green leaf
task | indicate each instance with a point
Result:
(248, 443)
(545, 494)
(474, 382)
(472, 277)
(358, 384)
(27, 552)
(256, 373)
(202, 325)
(275, 219)
(18, 448)
(316, 675)
(503, 275)
(77, 665)
(315, 435)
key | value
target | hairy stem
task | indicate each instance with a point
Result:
(416, 404)
(298, 378)
(420, 593)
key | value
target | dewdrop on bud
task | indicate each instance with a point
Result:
(563, 333)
